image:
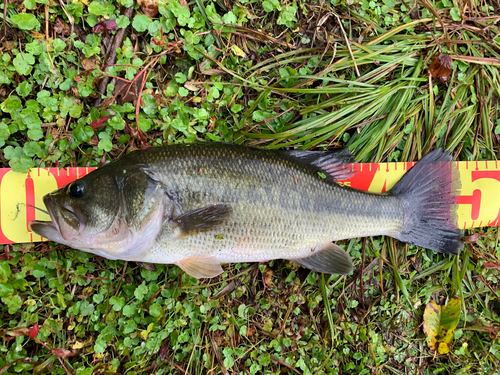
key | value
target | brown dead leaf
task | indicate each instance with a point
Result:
(149, 7)
(16, 332)
(88, 64)
(9, 45)
(128, 92)
(491, 266)
(440, 67)
(61, 27)
(62, 353)
(267, 276)
(477, 60)
(36, 34)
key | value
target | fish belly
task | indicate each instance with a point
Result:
(261, 230)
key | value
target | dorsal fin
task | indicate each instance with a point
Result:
(332, 163)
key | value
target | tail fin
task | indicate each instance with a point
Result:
(428, 193)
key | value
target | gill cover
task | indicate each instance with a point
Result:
(113, 212)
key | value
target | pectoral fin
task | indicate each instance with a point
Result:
(201, 267)
(331, 259)
(203, 219)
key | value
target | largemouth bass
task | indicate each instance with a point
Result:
(200, 205)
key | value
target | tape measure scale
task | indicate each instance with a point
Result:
(20, 193)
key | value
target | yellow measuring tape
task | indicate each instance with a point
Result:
(478, 203)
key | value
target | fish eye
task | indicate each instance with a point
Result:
(76, 189)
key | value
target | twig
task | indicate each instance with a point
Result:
(361, 275)
(177, 366)
(47, 37)
(117, 42)
(5, 4)
(121, 278)
(70, 18)
(348, 43)
(283, 363)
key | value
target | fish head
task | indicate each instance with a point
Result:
(114, 215)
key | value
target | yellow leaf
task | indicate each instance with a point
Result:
(36, 34)
(440, 322)
(77, 345)
(443, 348)
(238, 51)
(84, 2)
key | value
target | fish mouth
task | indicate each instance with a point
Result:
(67, 222)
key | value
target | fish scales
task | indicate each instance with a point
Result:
(279, 207)
(201, 205)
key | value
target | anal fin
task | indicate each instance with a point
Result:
(201, 267)
(330, 259)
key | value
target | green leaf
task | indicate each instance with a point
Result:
(117, 303)
(69, 106)
(271, 5)
(141, 22)
(235, 108)
(144, 124)
(23, 62)
(75, 110)
(230, 18)
(129, 310)
(155, 310)
(117, 122)
(83, 133)
(101, 8)
(440, 322)
(5, 271)
(105, 145)
(100, 346)
(84, 371)
(35, 133)
(86, 308)
(10, 152)
(122, 22)
(455, 14)
(31, 119)
(59, 45)
(31, 149)
(11, 104)
(141, 291)
(13, 303)
(130, 326)
(180, 77)
(24, 88)
(25, 21)
(35, 47)
(30, 4)
(4, 132)
(21, 164)
(181, 12)
(287, 16)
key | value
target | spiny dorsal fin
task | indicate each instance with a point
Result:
(203, 219)
(333, 163)
(201, 267)
(331, 259)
